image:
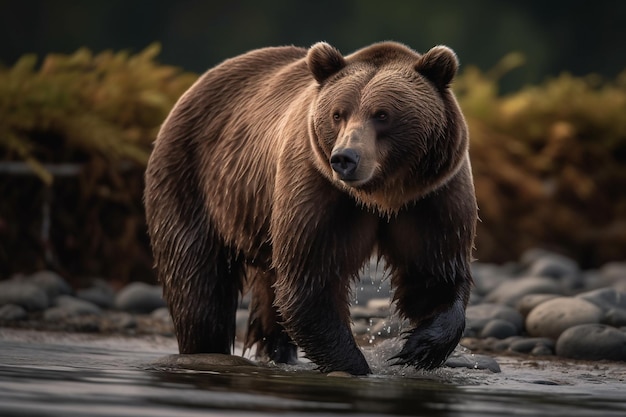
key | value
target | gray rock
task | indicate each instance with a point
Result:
(139, 297)
(51, 282)
(615, 317)
(471, 361)
(553, 265)
(528, 302)
(605, 298)
(592, 342)
(24, 294)
(487, 277)
(511, 291)
(12, 312)
(67, 306)
(611, 302)
(551, 318)
(532, 344)
(100, 294)
(479, 315)
(499, 328)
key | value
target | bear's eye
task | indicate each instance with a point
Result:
(381, 116)
(336, 116)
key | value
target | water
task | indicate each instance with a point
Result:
(55, 374)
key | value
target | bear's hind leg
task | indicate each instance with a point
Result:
(203, 298)
(264, 328)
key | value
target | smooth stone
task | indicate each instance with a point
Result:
(511, 291)
(473, 362)
(51, 282)
(528, 302)
(605, 298)
(24, 294)
(553, 265)
(12, 312)
(202, 361)
(139, 297)
(592, 342)
(339, 374)
(551, 318)
(67, 306)
(81, 307)
(101, 294)
(479, 315)
(499, 329)
(487, 277)
(529, 344)
(542, 350)
(615, 317)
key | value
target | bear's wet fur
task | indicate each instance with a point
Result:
(286, 169)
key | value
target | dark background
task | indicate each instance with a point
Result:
(577, 36)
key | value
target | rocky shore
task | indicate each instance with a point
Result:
(544, 305)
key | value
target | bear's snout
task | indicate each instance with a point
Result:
(345, 162)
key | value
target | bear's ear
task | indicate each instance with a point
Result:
(439, 65)
(324, 60)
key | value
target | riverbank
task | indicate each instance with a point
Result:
(543, 306)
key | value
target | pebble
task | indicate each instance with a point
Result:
(67, 306)
(100, 293)
(139, 297)
(478, 316)
(25, 294)
(528, 302)
(51, 283)
(551, 318)
(12, 312)
(498, 328)
(511, 291)
(473, 362)
(592, 342)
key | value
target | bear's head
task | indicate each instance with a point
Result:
(385, 125)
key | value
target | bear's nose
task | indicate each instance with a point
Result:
(345, 162)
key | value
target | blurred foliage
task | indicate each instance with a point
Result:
(549, 162)
(99, 111)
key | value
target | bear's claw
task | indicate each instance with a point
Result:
(429, 344)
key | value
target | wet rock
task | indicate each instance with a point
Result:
(24, 294)
(499, 328)
(202, 361)
(100, 294)
(479, 315)
(592, 342)
(51, 283)
(528, 302)
(471, 361)
(139, 297)
(511, 291)
(551, 318)
(12, 312)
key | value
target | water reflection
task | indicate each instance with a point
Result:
(130, 378)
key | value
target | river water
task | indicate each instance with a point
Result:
(56, 374)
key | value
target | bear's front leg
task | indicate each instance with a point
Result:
(428, 249)
(320, 241)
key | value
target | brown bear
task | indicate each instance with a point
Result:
(286, 169)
